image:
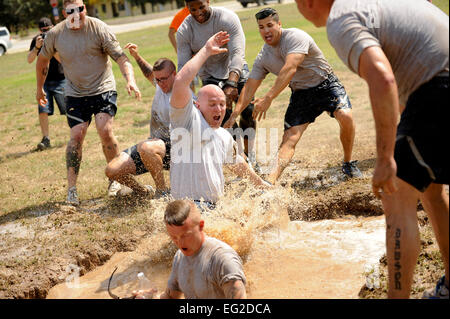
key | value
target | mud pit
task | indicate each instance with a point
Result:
(325, 233)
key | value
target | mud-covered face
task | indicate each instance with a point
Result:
(199, 10)
(188, 237)
(270, 30)
(212, 103)
(75, 14)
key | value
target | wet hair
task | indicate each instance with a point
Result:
(162, 64)
(178, 211)
(267, 12)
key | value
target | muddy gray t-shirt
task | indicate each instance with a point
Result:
(160, 121)
(84, 56)
(192, 36)
(203, 275)
(313, 70)
(412, 33)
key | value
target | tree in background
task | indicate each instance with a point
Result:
(19, 15)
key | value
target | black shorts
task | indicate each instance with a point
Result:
(306, 105)
(136, 157)
(420, 148)
(81, 109)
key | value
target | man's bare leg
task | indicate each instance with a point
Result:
(347, 131)
(74, 152)
(122, 169)
(104, 125)
(402, 238)
(286, 151)
(152, 154)
(435, 202)
(43, 122)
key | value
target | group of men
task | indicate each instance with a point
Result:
(186, 132)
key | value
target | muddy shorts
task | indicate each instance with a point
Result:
(306, 105)
(137, 160)
(420, 149)
(81, 109)
(204, 205)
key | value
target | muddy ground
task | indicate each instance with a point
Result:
(40, 245)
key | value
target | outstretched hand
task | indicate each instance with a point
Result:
(133, 48)
(213, 45)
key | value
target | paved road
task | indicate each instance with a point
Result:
(24, 45)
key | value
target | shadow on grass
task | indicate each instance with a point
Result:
(329, 177)
(104, 207)
(17, 155)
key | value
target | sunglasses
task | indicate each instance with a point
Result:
(45, 29)
(77, 9)
(264, 13)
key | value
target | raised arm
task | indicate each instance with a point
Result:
(145, 67)
(35, 50)
(247, 93)
(127, 70)
(288, 70)
(181, 93)
(375, 68)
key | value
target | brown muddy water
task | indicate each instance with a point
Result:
(282, 258)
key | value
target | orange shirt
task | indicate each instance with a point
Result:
(179, 18)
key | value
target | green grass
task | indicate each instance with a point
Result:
(30, 179)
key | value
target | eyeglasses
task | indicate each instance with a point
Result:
(77, 9)
(45, 29)
(264, 13)
(160, 80)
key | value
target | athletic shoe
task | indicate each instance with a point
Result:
(439, 292)
(113, 188)
(44, 144)
(350, 169)
(161, 194)
(72, 196)
(251, 160)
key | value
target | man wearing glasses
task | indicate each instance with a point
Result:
(84, 44)
(295, 58)
(53, 86)
(153, 154)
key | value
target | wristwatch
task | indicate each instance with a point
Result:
(233, 84)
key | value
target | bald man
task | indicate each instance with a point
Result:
(200, 146)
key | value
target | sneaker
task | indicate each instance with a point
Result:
(439, 292)
(350, 169)
(72, 196)
(44, 144)
(113, 188)
(251, 160)
(161, 194)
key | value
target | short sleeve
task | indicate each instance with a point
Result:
(228, 267)
(296, 41)
(350, 36)
(48, 48)
(258, 70)
(179, 18)
(110, 44)
(182, 117)
(172, 283)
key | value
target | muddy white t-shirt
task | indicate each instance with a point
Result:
(203, 275)
(198, 154)
(414, 35)
(313, 70)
